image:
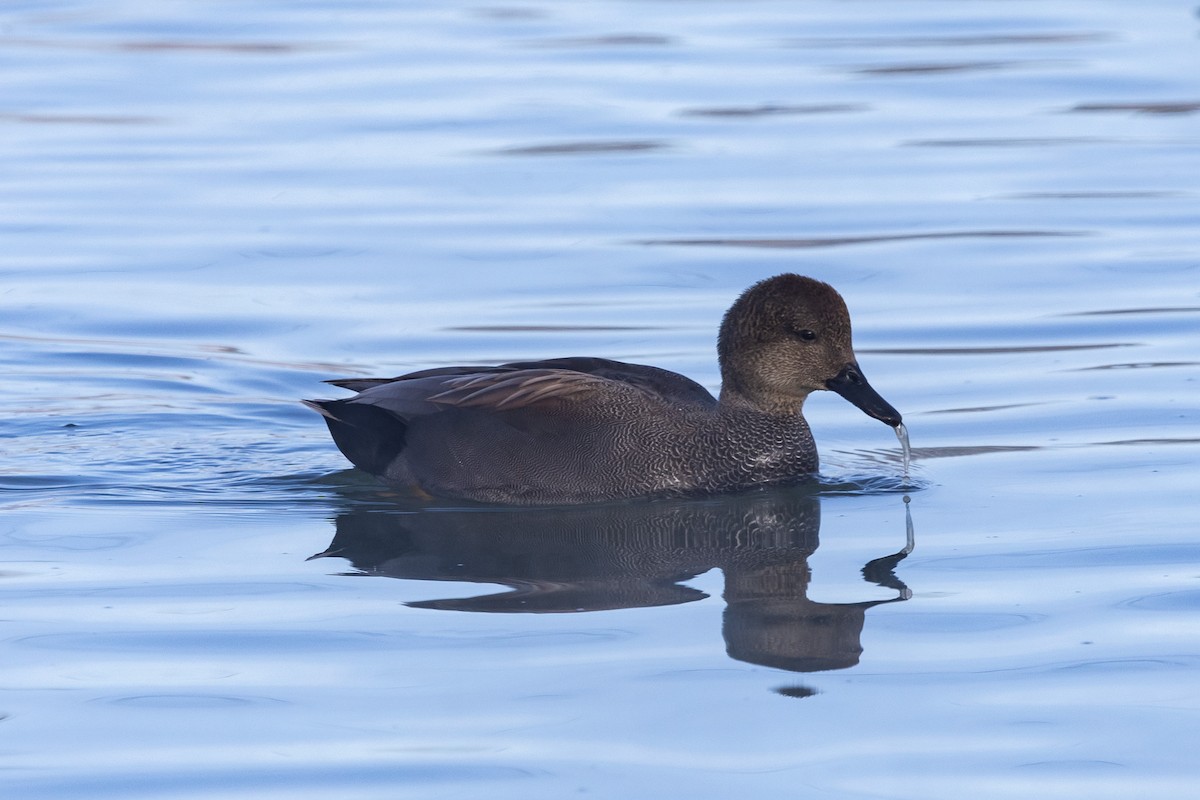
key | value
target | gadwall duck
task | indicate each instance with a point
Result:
(580, 430)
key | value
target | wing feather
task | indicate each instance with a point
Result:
(521, 388)
(524, 385)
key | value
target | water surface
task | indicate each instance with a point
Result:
(208, 208)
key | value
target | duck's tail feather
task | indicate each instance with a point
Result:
(369, 436)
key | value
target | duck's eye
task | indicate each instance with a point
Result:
(806, 335)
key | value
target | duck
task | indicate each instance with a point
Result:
(566, 431)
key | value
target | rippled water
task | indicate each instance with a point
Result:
(208, 208)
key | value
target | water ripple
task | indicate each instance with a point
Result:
(936, 68)
(841, 241)
(585, 148)
(189, 701)
(1188, 601)
(1152, 107)
(771, 110)
(967, 40)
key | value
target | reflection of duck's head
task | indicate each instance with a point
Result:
(624, 556)
(769, 620)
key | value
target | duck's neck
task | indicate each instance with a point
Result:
(739, 400)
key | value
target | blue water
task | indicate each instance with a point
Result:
(210, 207)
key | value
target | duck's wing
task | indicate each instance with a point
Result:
(498, 390)
(373, 428)
(668, 386)
(362, 384)
(522, 384)
(511, 432)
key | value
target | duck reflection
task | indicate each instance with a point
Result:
(633, 555)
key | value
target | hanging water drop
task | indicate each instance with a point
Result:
(902, 435)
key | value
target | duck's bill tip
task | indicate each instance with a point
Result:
(851, 384)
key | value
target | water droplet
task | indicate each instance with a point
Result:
(902, 435)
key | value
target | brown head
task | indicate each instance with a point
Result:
(788, 336)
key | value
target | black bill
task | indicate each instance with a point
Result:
(851, 384)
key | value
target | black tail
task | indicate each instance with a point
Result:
(367, 435)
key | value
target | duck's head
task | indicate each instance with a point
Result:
(788, 336)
